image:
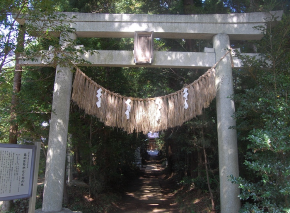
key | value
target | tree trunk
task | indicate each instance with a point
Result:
(7, 205)
(65, 194)
(90, 159)
(16, 87)
(208, 184)
(199, 167)
(190, 44)
(77, 157)
(188, 6)
(169, 156)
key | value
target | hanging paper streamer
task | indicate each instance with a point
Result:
(127, 113)
(99, 94)
(185, 94)
(158, 113)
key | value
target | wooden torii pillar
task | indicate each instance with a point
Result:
(220, 27)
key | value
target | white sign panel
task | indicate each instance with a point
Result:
(16, 171)
(153, 135)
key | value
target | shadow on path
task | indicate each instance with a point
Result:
(145, 195)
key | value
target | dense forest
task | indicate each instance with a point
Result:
(261, 97)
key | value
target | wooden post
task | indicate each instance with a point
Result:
(32, 200)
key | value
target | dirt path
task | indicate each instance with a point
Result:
(145, 194)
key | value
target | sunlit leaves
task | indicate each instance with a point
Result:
(263, 121)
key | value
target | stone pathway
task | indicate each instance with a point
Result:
(144, 194)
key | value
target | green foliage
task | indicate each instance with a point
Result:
(185, 143)
(31, 110)
(13, 10)
(112, 151)
(5, 100)
(34, 105)
(263, 112)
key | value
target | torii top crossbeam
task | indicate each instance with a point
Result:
(239, 26)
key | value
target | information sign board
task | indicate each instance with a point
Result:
(16, 171)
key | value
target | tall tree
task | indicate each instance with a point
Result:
(7, 48)
(263, 118)
(16, 87)
(14, 100)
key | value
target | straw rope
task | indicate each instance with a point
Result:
(149, 114)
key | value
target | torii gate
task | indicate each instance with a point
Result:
(221, 28)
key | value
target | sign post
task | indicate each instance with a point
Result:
(32, 200)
